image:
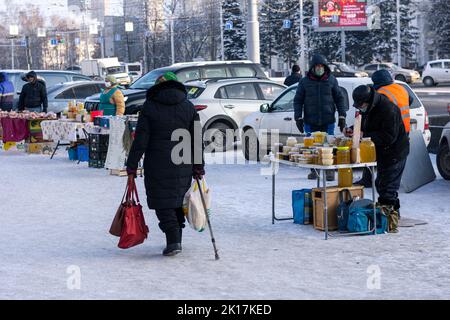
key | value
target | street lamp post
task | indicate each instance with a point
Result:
(13, 33)
(129, 27)
(399, 39)
(302, 38)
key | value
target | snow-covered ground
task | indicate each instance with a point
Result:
(55, 216)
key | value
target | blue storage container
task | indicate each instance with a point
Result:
(73, 154)
(83, 153)
(302, 206)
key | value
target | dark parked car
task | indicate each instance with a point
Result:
(342, 70)
(189, 71)
(50, 77)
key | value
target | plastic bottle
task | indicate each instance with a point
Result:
(368, 152)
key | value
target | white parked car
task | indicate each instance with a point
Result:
(280, 115)
(224, 103)
(436, 72)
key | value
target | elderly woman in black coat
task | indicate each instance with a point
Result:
(168, 171)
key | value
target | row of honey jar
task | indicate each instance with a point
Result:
(328, 156)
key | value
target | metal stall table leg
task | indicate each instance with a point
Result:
(325, 204)
(274, 217)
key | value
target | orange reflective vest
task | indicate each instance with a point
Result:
(399, 96)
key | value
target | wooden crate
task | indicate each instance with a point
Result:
(333, 203)
(123, 173)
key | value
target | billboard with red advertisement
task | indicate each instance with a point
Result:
(333, 15)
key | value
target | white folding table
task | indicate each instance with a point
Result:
(275, 164)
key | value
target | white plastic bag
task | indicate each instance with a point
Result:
(193, 206)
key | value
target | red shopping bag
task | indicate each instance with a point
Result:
(134, 229)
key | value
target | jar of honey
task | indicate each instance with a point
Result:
(291, 142)
(343, 155)
(308, 142)
(319, 137)
(345, 178)
(367, 150)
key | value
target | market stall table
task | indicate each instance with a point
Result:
(318, 168)
(63, 131)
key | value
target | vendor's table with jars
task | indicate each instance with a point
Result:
(321, 170)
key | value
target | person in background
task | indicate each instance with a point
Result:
(382, 122)
(6, 93)
(167, 179)
(112, 101)
(384, 84)
(315, 103)
(33, 97)
(295, 76)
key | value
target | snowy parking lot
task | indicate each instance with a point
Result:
(55, 216)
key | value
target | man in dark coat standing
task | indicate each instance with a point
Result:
(295, 76)
(315, 103)
(382, 122)
(34, 95)
(167, 176)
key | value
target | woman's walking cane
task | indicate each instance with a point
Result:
(207, 218)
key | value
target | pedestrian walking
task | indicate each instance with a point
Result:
(382, 122)
(315, 103)
(295, 76)
(6, 93)
(167, 179)
(112, 101)
(33, 97)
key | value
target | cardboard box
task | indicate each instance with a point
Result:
(333, 203)
(40, 148)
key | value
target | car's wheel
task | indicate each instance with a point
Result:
(251, 145)
(400, 77)
(428, 82)
(216, 135)
(443, 161)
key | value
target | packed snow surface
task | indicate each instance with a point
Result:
(55, 216)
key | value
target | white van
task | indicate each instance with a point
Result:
(133, 69)
(435, 72)
(280, 115)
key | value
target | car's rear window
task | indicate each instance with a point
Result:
(194, 92)
(416, 103)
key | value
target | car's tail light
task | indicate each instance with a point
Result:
(200, 107)
(427, 121)
(448, 108)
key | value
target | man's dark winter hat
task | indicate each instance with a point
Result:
(361, 95)
(318, 59)
(382, 78)
(32, 74)
(295, 68)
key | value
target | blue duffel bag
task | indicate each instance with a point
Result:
(343, 209)
(359, 215)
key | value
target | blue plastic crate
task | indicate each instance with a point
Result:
(83, 153)
(73, 154)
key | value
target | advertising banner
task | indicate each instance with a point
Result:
(334, 15)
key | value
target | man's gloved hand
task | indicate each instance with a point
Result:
(198, 171)
(300, 125)
(341, 123)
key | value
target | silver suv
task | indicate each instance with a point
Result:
(224, 103)
(400, 74)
